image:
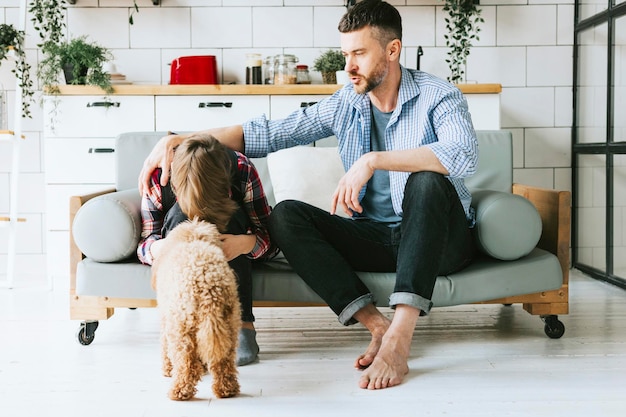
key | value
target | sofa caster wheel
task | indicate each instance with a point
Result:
(86, 332)
(554, 327)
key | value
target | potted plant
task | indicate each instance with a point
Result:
(12, 47)
(81, 62)
(328, 63)
(462, 25)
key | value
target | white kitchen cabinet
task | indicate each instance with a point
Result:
(283, 106)
(96, 116)
(191, 113)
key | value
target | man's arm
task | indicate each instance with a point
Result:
(163, 152)
(410, 160)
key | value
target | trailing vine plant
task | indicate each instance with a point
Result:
(462, 24)
(134, 9)
(48, 17)
(12, 45)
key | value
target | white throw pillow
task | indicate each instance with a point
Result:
(306, 173)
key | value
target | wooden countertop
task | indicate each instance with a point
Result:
(238, 89)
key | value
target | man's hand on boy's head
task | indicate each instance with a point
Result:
(161, 156)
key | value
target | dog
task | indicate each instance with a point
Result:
(199, 309)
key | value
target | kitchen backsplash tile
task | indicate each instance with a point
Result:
(544, 66)
(161, 28)
(487, 35)
(539, 177)
(109, 29)
(325, 20)
(506, 64)
(221, 27)
(547, 147)
(527, 107)
(418, 26)
(565, 24)
(317, 3)
(563, 99)
(282, 27)
(139, 65)
(526, 25)
(260, 3)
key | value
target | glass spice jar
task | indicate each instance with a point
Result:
(253, 69)
(268, 70)
(302, 74)
(285, 69)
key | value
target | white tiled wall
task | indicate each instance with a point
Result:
(525, 45)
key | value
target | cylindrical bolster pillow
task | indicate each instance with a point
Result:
(508, 226)
(108, 227)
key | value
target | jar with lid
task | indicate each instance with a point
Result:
(268, 70)
(253, 69)
(302, 74)
(285, 69)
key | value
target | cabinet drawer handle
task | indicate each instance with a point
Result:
(307, 103)
(101, 150)
(215, 104)
(106, 104)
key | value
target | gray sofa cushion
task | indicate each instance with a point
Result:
(485, 279)
(507, 225)
(108, 227)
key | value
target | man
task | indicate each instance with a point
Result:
(406, 140)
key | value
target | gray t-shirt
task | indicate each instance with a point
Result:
(377, 200)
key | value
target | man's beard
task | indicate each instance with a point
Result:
(377, 76)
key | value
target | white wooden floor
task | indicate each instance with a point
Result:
(466, 361)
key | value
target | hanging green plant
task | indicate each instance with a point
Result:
(462, 25)
(12, 47)
(48, 17)
(134, 9)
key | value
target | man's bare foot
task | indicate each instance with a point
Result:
(377, 324)
(388, 356)
(366, 359)
(389, 365)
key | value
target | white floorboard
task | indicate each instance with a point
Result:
(471, 360)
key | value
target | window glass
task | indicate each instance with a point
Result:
(588, 8)
(619, 77)
(591, 211)
(619, 215)
(592, 82)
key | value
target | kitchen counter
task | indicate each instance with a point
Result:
(239, 89)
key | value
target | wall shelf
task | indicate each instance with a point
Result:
(154, 2)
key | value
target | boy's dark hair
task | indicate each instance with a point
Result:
(378, 14)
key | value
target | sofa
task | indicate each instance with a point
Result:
(523, 234)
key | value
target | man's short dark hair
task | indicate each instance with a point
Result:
(378, 14)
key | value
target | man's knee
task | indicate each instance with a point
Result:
(282, 216)
(426, 183)
(290, 218)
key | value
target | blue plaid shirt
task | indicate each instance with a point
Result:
(430, 112)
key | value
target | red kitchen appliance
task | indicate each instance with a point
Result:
(196, 69)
